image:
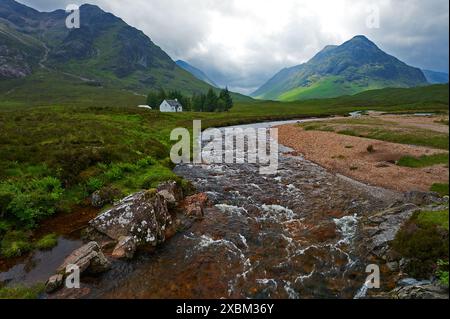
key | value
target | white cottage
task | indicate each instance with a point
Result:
(172, 106)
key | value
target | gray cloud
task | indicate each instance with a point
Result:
(242, 43)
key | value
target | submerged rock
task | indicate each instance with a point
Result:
(143, 216)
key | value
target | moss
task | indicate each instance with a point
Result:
(15, 244)
(22, 292)
(47, 242)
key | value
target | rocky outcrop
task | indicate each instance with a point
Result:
(171, 192)
(54, 283)
(89, 259)
(125, 248)
(420, 290)
(143, 216)
(377, 230)
(424, 198)
(195, 205)
(137, 220)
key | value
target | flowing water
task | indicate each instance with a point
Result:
(288, 235)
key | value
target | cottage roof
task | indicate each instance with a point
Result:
(174, 103)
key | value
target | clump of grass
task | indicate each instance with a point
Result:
(349, 146)
(441, 189)
(423, 161)
(424, 239)
(439, 218)
(339, 157)
(371, 149)
(22, 292)
(15, 244)
(354, 168)
(47, 242)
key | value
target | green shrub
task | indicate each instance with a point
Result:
(145, 162)
(4, 227)
(423, 241)
(15, 244)
(93, 185)
(31, 201)
(47, 242)
(114, 173)
(442, 272)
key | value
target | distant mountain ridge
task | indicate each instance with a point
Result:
(199, 74)
(357, 65)
(105, 50)
(434, 77)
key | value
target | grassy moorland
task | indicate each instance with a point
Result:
(61, 142)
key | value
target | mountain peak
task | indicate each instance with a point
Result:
(361, 39)
(355, 66)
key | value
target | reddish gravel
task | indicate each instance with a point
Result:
(348, 155)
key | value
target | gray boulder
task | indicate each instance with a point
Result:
(88, 258)
(143, 216)
(54, 283)
(379, 229)
(423, 198)
(171, 192)
(420, 291)
(125, 248)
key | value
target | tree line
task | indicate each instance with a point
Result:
(209, 102)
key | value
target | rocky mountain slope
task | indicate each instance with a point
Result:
(355, 66)
(104, 49)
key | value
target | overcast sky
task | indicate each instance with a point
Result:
(243, 43)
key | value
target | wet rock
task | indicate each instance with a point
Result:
(404, 263)
(420, 291)
(125, 248)
(379, 229)
(393, 266)
(143, 216)
(88, 258)
(423, 198)
(54, 283)
(324, 232)
(171, 190)
(412, 282)
(194, 205)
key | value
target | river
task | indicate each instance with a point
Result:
(287, 235)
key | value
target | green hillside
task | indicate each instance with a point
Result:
(357, 65)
